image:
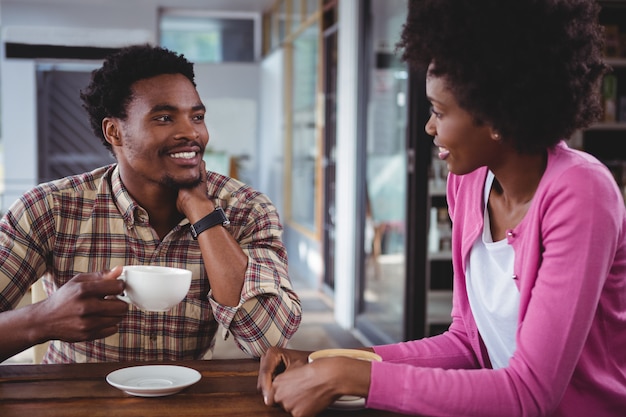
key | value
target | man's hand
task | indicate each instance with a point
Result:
(85, 308)
(224, 260)
(194, 202)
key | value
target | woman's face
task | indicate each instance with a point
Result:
(463, 144)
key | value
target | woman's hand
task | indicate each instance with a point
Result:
(304, 390)
(274, 362)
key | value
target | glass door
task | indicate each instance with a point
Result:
(381, 307)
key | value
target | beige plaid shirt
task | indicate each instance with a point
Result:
(89, 222)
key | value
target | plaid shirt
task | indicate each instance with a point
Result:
(89, 222)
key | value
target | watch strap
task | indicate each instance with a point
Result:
(215, 218)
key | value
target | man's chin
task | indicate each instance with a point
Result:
(181, 185)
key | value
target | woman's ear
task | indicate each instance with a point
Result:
(111, 131)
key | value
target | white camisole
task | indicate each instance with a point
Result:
(493, 295)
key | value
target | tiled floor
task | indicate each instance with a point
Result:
(318, 330)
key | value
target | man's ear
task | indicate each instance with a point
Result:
(111, 131)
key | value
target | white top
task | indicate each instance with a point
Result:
(493, 295)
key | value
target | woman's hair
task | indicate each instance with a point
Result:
(529, 68)
(109, 91)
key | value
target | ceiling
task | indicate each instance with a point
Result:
(214, 5)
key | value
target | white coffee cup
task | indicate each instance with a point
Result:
(154, 288)
(347, 401)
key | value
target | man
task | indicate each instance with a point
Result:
(158, 206)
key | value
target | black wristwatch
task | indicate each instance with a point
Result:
(215, 218)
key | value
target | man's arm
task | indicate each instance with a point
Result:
(246, 266)
(224, 260)
(83, 309)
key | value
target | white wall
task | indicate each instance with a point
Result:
(113, 24)
(230, 93)
(132, 14)
(19, 127)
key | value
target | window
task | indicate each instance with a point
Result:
(208, 37)
(296, 25)
(305, 152)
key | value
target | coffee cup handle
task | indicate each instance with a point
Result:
(123, 296)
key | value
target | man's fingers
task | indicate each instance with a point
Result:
(112, 307)
(99, 285)
(113, 273)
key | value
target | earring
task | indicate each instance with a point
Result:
(496, 136)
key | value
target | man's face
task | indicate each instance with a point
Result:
(162, 141)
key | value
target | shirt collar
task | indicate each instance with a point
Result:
(127, 207)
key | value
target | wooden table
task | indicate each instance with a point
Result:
(227, 388)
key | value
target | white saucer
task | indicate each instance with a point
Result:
(153, 380)
(348, 402)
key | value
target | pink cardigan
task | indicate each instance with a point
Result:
(570, 268)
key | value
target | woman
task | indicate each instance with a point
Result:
(539, 255)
